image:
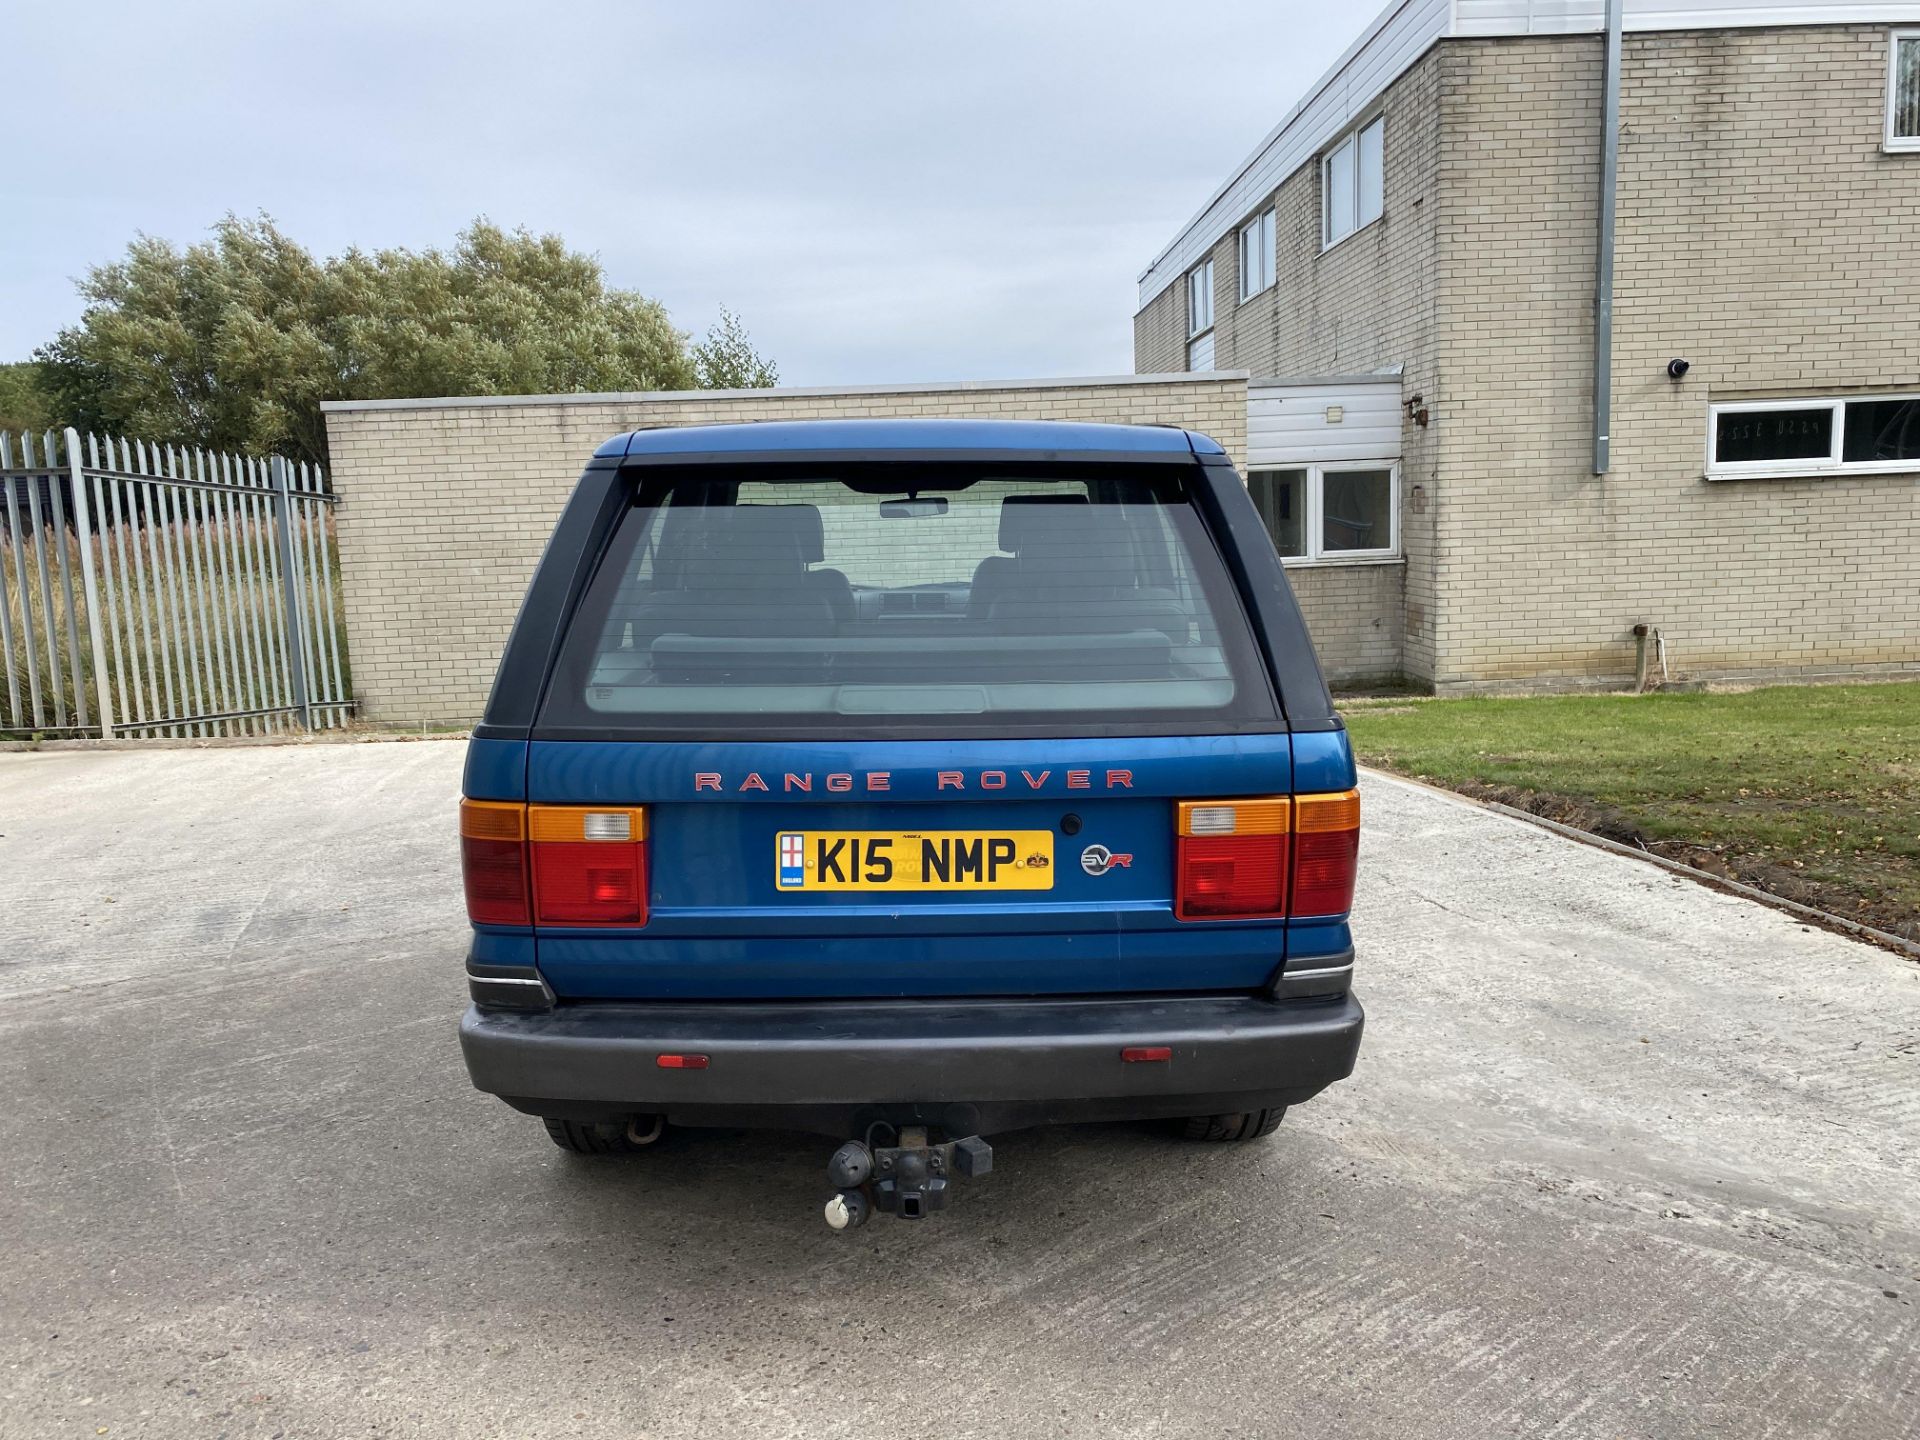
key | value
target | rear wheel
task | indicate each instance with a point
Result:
(584, 1138)
(1241, 1125)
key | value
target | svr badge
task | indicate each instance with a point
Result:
(1097, 860)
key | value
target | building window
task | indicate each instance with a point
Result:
(1881, 432)
(1200, 298)
(1903, 91)
(1814, 437)
(1353, 182)
(1281, 498)
(1256, 256)
(1330, 513)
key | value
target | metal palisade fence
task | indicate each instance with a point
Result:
(155, 590)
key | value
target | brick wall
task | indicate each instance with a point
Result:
(1355, 614)
(444, 508)
(1160, 333)
(1763, 236)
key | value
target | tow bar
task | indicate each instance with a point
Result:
(909, 1179)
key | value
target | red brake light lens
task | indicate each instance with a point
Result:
(588, 883)
(553, 864)
(1232, 858)
(1264, 857)
(493, 862)
(1232, 875)
(1326, 853)
(589, 865)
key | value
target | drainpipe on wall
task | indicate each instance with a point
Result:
(1603, 279)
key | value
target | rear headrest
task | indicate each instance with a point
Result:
(806, 521)
(1017, 525)
(763, 539)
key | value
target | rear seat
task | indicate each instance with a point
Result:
(993, 575)
(832, 584)
(731, 568)
(1063, 577)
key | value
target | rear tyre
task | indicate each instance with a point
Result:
(1241, 1126)
(583, 1138)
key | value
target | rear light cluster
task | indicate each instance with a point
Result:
(554, 864)
(1326, 853)
(1271, 856)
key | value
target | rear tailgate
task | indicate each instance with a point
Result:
(1077, 898)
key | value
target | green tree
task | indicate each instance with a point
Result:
(234, 342)
(24, 402)
(726, 359)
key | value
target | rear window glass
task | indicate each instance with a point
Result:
(889, 596)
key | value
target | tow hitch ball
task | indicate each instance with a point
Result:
(909, 1179)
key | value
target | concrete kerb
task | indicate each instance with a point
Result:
(1826, 919)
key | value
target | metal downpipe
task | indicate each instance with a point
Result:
(1603, 278)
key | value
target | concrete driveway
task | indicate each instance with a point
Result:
(1623, 1157)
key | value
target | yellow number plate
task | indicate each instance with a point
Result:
(913, 860)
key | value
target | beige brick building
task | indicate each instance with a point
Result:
(445, 504)
(1426, 222)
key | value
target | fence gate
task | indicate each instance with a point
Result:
(153, 590)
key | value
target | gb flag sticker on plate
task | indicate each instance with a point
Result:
(844, 860)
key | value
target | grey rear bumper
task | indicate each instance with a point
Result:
(964, 1065)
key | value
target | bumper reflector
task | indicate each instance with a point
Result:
(681, 1062)
(1146, 1054)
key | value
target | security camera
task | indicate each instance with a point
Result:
(1677, 369)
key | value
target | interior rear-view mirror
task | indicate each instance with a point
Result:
(916, 509)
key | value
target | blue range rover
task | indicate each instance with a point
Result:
(908, 781)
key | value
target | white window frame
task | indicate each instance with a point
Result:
(1260, 230)
(1203, 289)
(1812, 466)
(1194, 367)
(1361, 220)
(1313, 527)
(1892, 141)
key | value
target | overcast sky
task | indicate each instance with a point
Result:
(882, 191)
